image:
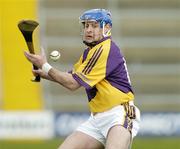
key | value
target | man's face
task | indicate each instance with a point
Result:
(92, 31)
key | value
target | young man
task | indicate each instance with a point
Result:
(102, 71)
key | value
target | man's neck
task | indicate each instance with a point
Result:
(94, 43)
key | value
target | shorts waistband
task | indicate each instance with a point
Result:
(125, 103)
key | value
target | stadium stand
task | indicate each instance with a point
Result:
(148, 32)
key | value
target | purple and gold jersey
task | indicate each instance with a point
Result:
(102, 71)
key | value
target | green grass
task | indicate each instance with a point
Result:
(139, 143)
(38, 144)
(156, 143)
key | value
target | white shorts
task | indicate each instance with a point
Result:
(98, 125)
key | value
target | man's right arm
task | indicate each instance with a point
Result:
(46, 71)
(64, 78)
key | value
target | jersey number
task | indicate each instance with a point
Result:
(127, 73)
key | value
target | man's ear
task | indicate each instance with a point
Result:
(107, 28)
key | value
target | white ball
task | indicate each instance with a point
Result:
(55, 55)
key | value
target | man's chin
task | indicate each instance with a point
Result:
(88, 41)
(90, 44)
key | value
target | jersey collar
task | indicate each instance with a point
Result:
(96, 43)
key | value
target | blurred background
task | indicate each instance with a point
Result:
(148, 33)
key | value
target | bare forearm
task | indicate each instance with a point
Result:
(63, 78)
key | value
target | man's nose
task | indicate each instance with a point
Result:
(89, 29)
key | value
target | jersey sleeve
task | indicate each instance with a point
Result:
(115, 59)
(93, 69)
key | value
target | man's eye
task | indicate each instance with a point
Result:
(86, 26)
(95, 25)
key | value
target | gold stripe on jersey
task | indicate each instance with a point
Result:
(92, 61)
(89, 62)
(86, 67)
